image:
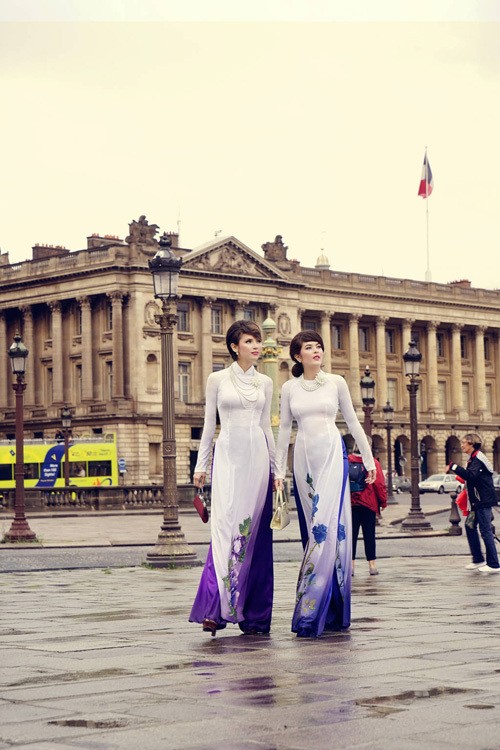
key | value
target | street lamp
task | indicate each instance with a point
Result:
(66, 423)
(415, 521)
(388, 414)
(367, 385)
(20, 530)
(171, 548)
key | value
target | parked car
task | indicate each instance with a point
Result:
(496, 485)
(440, 483)
(401, 484)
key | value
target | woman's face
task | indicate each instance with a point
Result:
(311, 354)
(248, 349)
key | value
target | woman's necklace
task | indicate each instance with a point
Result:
(313, 385)
(246, 389)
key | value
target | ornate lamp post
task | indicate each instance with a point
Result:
(388, 414)
(367, 385)
(20, 530)
(415, 521)
(66, 424)
(171, 548)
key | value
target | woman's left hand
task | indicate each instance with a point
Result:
(370, 477)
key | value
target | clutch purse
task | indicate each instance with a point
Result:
(281, 515)
(201, 506)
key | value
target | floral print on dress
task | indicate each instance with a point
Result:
(307, 576)
(237, 555)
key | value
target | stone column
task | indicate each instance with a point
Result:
(29, 342)
(300, 313)
(326, 335)
(87, 375)
(5, 377)
(270, 354)
(57, 353)
(432, 371)
(497, 368)
(116, 298)
(405, 341)
(354, 373)
(480, 373)
(239, 309)
(456, 370)
(381, 381)
(206, 339)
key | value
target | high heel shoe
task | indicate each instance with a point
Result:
(209, 626)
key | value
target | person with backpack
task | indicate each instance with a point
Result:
(367, 500)
(478, 476)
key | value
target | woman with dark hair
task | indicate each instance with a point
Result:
(320, 472)
(237, 581)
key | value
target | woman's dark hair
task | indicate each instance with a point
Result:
(239, 329)
(473, 439)
(302, 337)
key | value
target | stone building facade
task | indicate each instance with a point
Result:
(87, 318)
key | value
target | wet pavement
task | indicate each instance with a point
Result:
(101, 656)
(107, 659)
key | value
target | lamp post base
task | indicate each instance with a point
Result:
(20, 532)
(171, 550)
(415, 521)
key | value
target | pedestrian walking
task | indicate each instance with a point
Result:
(367, 502)
(313, 398)
(478, 476)
(237, 581)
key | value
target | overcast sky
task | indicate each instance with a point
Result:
(292, 118)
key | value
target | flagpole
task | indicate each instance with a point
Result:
(428, 276)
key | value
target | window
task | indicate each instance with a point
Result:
(392, 393)
(440, 344)
(390, 341)
(49, 392)
(78, 383)
(464, 347)
(108, 382)
(487, 348)
(6, 472)
(465, 396)
(183, 315)
(415, 336)
(364, 339)
(217, 366)
(249, 313)
(152, 373)
(155, 459)
(184, 381)
(78, 321)
(196, 433)
(310, 324)
(216, 319)
(337, 337)
(489, 401)
(442, 395)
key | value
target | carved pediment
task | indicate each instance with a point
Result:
(231, 257)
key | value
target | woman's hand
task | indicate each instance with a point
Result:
(199, 479)
(278, 484)
(370, 477)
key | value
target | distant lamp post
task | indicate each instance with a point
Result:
(367, 385)
(171, 548)
(66, 425)
(415, 521)
(388, 415)
(20, 530)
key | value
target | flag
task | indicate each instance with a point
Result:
(426, 181)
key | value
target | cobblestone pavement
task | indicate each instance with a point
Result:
(106, 659)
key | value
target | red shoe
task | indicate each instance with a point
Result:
(209, 626)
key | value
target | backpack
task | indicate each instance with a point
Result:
(357, 476)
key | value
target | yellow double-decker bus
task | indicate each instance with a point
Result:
(92, 462)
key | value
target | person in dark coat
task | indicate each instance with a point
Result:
(478, 476)
(366, 505)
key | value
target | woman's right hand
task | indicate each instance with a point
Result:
(278, 484)
(199, 479)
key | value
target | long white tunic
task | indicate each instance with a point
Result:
(243, 457)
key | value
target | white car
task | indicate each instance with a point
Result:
(440, 483)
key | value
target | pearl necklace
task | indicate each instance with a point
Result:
(313, 385)
(247, 391)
